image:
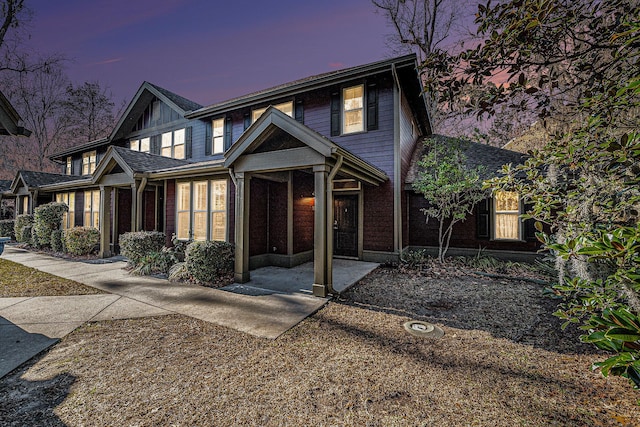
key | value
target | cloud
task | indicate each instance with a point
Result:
(336, 65)
(106, 61)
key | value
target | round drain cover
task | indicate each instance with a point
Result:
(423, 329)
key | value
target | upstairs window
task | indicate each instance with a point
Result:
(353, 109)
(507, 215)
(285, 107)
(88, 162)
(218, 136)
(68, 170)
(173, 144)
(143, 145)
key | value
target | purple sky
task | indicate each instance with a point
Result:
(206, 50)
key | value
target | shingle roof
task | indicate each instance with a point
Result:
(36, 179)
(492, 158)
(5, 186)
(145, 162)
(180, 101)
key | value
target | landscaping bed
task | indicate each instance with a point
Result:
(502, 361)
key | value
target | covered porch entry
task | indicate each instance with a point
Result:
(277, 147)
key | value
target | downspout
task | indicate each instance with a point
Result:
(329, 244)
(397, 173)
(143, 184)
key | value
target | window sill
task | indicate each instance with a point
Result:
(353, 133)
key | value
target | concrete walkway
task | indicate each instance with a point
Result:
(274, 301)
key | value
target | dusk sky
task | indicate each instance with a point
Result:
(207, 51)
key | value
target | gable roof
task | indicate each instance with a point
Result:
(10, 120)
(34, 179)
(313, 82)
(491, 158)
(5, 186)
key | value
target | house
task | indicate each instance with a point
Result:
(10, 121)
(309, 170)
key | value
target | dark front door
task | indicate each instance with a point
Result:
(345, 225)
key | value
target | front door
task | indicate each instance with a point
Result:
(345, 225)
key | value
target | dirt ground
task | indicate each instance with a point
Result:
(502, 361)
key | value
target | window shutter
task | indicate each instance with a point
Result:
(372, 107)
(247, 121)
(299, 114)
(228, 126)
(529, 226)
(335, 114)
(483, 217)
(208, 142)
(187, 143)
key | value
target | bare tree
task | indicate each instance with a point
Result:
(89, 112)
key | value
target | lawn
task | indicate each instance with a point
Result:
(16, 280)
(502, 362)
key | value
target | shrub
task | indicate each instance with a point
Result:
(56, 241)
(81, 240)
(34, 238)
(21, 222)
(25, 235)
(179, 247)
(155, 263)
(415, 260)
(7, 227)
(46, 219)
(208, 262)
(138, 245)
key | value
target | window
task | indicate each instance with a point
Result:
(68, 170)
(25, 204)
(202, 210)
(88, 162)
(68, 219)
(173, 144)
(92, 208)
(285, 107)
(218, 136)
(507, 215)
(353, 109)
(143, 145)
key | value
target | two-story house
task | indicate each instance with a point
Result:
(308, 170)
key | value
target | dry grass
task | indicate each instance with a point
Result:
(16, 280)
(350, 364)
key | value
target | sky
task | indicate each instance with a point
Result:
(206, 50)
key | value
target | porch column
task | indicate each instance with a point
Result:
(320, 259)
(134, 207)
(243, 185)
(105, 221)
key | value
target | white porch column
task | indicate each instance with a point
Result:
(243, 185)
(105, 222)
(321, 260)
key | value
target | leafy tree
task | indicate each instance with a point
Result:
(574, 63)
(450, 187)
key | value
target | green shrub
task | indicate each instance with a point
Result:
(138, 245)
(56, 241)
(209, 262)
(34, 238)
(7, 228)
(179, 247)
(21, 222)
(155, 263)
(47, 218)
(81, 240)
(26, 233)
(415, 260)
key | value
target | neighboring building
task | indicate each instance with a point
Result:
(308, 170)
(10, 121)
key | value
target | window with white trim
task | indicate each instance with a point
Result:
(68, 218)
(89, 162)
(201, 210)
(285, 107)
(506, 212)
(353, 109)
(217, 140)
(143, 145)
(92, 209)
(173, 144)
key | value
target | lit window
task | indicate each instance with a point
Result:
(92, 209)
(285, 107)
(203, 216)
(353, 109)
(218, 136)
(69, 167)
(172, 144)
(68, 218)
(143, 145)
(88, 162)
(507, 215)
(25, 204)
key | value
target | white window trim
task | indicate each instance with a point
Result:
(343, 111)
(495, 212)
(215, 136)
